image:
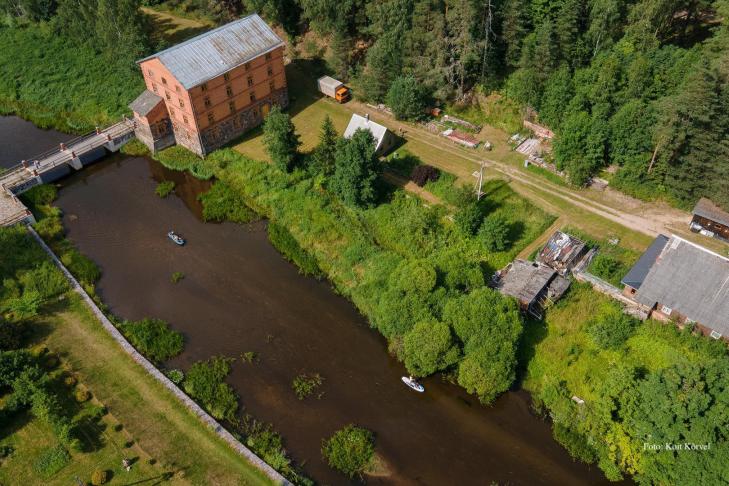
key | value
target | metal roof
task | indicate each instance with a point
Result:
(692, 281)
(216, 52)
(525, 280)
(634, 278)
(707, 209)
(360, 122)
(145, 102)
(560, 251)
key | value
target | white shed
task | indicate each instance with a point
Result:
(384, 139)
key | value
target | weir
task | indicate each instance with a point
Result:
(54, 164)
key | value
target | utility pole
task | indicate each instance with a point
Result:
(479, 184)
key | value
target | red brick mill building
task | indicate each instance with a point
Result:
(210, 89)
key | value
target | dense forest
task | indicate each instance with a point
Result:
(636, 86)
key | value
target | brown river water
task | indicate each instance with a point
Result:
(240, 295)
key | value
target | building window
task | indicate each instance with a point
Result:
(164, 81)
(250, 81)
(231, 105)
(248, 66)
(184, 119)
(270, 71)
(207, 102)
(167, 95)
(204, 87)
(253, 96)
(211, 118)
(268, 56)
(271, 86)
(226, 77)
(255, 113)
(182, 103)
(229, 91)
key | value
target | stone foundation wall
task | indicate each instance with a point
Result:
(236, 125)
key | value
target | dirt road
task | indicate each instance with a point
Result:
(647, 218)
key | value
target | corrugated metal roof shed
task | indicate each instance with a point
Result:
(360, 122)
(692, 281)
(637, 274)
(561, 251)
(707, 209)
(218, 51)
(145, 102)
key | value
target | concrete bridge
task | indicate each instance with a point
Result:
(54, 164)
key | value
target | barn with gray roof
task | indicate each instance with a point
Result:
(681, 281)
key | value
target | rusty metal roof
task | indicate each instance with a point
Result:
(213, 53)
(561, 251)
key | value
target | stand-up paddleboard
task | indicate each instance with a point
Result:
(409, 381)
(179, 240)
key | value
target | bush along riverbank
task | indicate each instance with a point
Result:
(158, 342)
(401, 263)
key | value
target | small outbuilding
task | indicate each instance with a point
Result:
(710, 220)
(384, 139)
(532, 284)
(562, 252)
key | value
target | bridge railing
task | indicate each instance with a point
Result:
(10, 176)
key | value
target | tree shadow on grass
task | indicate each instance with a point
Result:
(89, 429)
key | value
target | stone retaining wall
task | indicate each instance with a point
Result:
(159, 376)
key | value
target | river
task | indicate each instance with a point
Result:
(240, 295)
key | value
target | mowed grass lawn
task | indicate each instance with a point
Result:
(307, 108)
(157, 424)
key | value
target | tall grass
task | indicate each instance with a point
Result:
(54, 84)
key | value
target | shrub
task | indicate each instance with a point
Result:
(153, 338)
(204, 382)
(99, 477)
(611, 328)
(350, 450)
(576, 444)
(608, 268)
(177, 277)
(469, 218)
(284, 242)
(202, 170)
(176, 376)
(70, 380)
(50, 461)
(50, 228)
(429, 347)
(422, 174)
(165, 188)
(494, 232)
(222, 203)
(11, 334)
(304, 385)
(82, 395)
(177, 158)
(81, 266)
(41, 195)
(268, 445)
